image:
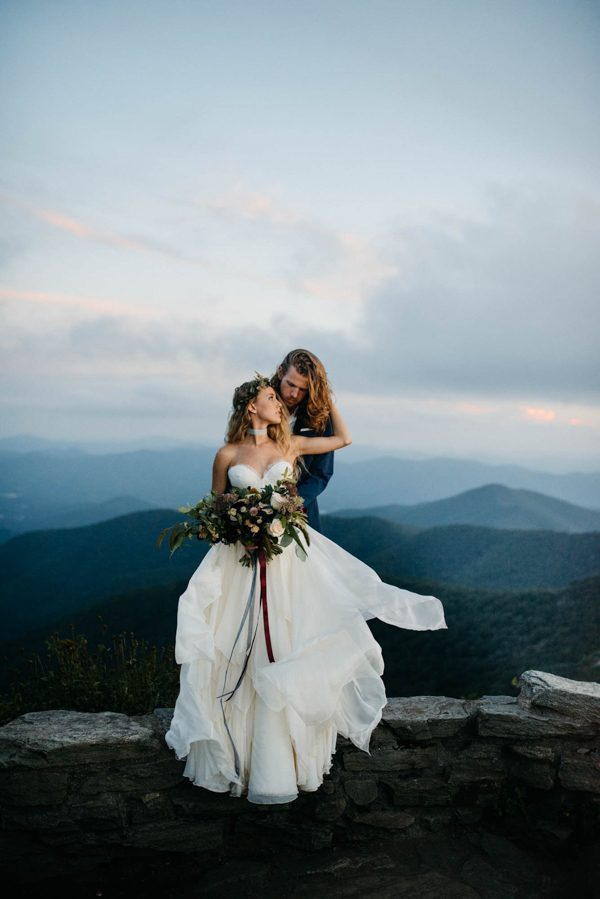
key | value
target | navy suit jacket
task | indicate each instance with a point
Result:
(315, 472)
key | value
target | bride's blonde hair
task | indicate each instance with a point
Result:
(240, 417)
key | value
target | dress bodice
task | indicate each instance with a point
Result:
(242, 475)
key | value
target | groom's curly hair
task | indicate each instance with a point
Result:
(316, 406)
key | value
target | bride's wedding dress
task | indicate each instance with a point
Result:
(277, 732)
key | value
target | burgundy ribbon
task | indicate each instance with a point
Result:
(263, 601)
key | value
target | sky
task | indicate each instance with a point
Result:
(409, 188)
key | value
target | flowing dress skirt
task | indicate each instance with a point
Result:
(277, 732)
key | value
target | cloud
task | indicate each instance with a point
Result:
(505, 306)
(542, 415)
(305, 259)
(77, 228)
(311, 258)
(257, 206)
(483, 322)
(79, 302)
(502, 305)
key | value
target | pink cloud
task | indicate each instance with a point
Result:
(538, 414)
(108, 238)
(252, 205)
(355, 272)
(102, 305)
(468, 408)
(356, 268)
(77, 228)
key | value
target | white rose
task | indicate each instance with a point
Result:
(276, 528)
(277, 501)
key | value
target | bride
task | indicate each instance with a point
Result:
(275, 731)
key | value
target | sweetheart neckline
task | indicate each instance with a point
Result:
(252, 468)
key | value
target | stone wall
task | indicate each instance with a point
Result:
(76, 787)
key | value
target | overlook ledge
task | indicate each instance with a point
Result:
(79, 790)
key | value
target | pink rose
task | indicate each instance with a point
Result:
(276, 528)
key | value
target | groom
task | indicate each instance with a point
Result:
(301, 381)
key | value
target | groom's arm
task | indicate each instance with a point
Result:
(319, 469)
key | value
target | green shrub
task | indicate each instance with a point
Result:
(124, 674)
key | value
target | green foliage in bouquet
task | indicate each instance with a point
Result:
(269, 520)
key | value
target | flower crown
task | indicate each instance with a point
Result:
(248, 391)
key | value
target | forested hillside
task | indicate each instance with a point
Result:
(46, 576)
(470, 556)
(492, 636)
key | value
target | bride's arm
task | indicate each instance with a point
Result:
(317, 445)
(220, 468)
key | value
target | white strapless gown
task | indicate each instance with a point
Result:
(278, 732)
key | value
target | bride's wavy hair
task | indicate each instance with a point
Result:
(240, 417)
(315, 408)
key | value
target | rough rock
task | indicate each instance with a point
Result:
(581, 770)
(575, 699)
(330, 808)
(532, 772)
(62, 737)
(132, 776)
(361, 790)
(535, 751)
(79, 789)
(509, 719)
(418, 791)
(163, 719)
(391, 759)
(385, 818)
(34, 788)
(428, 717)
(479, 761)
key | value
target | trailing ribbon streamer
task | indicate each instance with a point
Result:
(263, 601)
(248, 615)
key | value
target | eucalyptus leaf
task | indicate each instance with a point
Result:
(297, 539)
(161, 537)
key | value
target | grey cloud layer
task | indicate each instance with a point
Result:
(504, 307)
(508, 307)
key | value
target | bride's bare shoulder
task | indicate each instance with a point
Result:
(221, 465)
(226, 453)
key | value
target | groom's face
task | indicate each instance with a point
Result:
(294, 387)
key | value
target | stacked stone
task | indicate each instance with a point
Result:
(532, 760)
(73, 785)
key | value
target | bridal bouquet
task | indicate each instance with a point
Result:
(263, 521)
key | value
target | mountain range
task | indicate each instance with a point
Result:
(492, 506)
(46, 576)
(469, 556)
(387, 479)
(68, 487)
(513, 598)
